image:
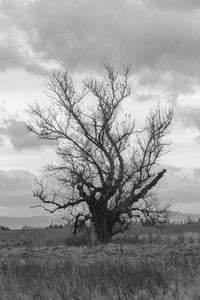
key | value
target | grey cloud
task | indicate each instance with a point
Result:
(129, 33)
(162, 45)
(197, 172)
(16, 188)
(179, 189)
(181, 5)
(12, 57)
(146, 97)
(14, 50)
(172, 169)
(16, 131)
(190, 116)
(197, 139)
(15, 179)
(9, 57)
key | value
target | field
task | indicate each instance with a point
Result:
(143, 264)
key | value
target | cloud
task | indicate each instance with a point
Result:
(16, 131)
(16, 194)
(196, 172)
(172, 169)
(12, 57)
(190, 116)
(197, 139)
(161, 44)
(180, 189)
(16, 188)
(15, 51)
(146, 97)
(181, 5)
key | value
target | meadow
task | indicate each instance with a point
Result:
(142, 264)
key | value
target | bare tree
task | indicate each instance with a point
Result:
(106, 168)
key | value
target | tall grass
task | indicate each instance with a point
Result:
(107, 278)
(140, 265)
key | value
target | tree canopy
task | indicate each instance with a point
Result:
(106, 168)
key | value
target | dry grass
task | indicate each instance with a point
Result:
(145, 265)
(108, 278)
(33, 237)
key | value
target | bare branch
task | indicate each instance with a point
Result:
(106, 166)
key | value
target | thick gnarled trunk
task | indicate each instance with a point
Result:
(103, 229)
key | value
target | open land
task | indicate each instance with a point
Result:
(142, 264)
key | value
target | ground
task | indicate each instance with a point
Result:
(144, 263)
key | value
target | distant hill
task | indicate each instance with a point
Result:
(34, 221)
(177, 217)
(43, 221)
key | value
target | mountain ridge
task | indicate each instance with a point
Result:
(32, 221)
(43, 221)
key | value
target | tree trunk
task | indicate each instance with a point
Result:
(103, 229)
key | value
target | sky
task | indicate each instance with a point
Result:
(161, 42)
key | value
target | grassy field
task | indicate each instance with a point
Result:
(142, 264)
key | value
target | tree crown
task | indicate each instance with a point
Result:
(106, 167)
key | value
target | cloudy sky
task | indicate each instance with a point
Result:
(161, 41)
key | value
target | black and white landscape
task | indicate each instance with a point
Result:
(99, 149)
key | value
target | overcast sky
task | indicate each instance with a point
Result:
(161, 41)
